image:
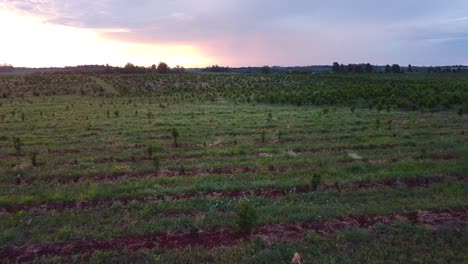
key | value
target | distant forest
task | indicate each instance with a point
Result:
(163, 68)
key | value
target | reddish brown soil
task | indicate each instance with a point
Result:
(227, 237)
(147, 175)
(264, 192)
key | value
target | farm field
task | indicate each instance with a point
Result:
(120, 168)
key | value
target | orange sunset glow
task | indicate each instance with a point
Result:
(30, 41)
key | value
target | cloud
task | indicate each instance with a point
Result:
(272, 31)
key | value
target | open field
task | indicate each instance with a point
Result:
(342, 169)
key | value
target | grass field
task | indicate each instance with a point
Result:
(108, 176)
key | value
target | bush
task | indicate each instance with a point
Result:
(150, 152)
(156, 162)
(175, 135)
(66, 233)
(280, 135)
(34, 159)
(246, 216)
(316, 181)
(17, 144)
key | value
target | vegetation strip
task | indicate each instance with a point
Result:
(182, 171)
(264, 192)
(227, 237)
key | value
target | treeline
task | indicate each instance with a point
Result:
(162, 68)
(129, 68)
(216, 68)
(395, 68)
(4, 68)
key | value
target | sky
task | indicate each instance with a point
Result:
(198, 33)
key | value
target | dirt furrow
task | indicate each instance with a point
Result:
(263, 192)
(227, 237)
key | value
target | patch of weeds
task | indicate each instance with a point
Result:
(355, 235)
(66, 233)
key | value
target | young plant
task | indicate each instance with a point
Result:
(34, 159)
(157, 162)
(316, 181)
(17, 144)
(280, 135)
(150, 152)
(175, 136)
(262, 136)
(246, 216)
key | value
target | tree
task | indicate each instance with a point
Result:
(410, 68)
(358, 68)
(265, 69)
(342, 68)
(388, 69)
(179, 69)
(369, 68)
(336, 67)
(163, 68)
(396, 68)
(129, 66)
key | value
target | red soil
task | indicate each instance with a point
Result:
(264, 192)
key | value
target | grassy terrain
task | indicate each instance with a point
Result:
(79, 167)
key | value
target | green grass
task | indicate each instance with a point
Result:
(79, 145)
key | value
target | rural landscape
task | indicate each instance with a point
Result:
(226, 168)
(233, 132)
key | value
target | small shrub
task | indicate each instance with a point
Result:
(34, 159)
(460, 111)
(116, 113)
(150, 152)
(246, 216)
(262, 136)
(66, 232)
(156, 162)
(280, 135)
(355, 235)
(175, 136)
(316, 181)
(17, 144)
